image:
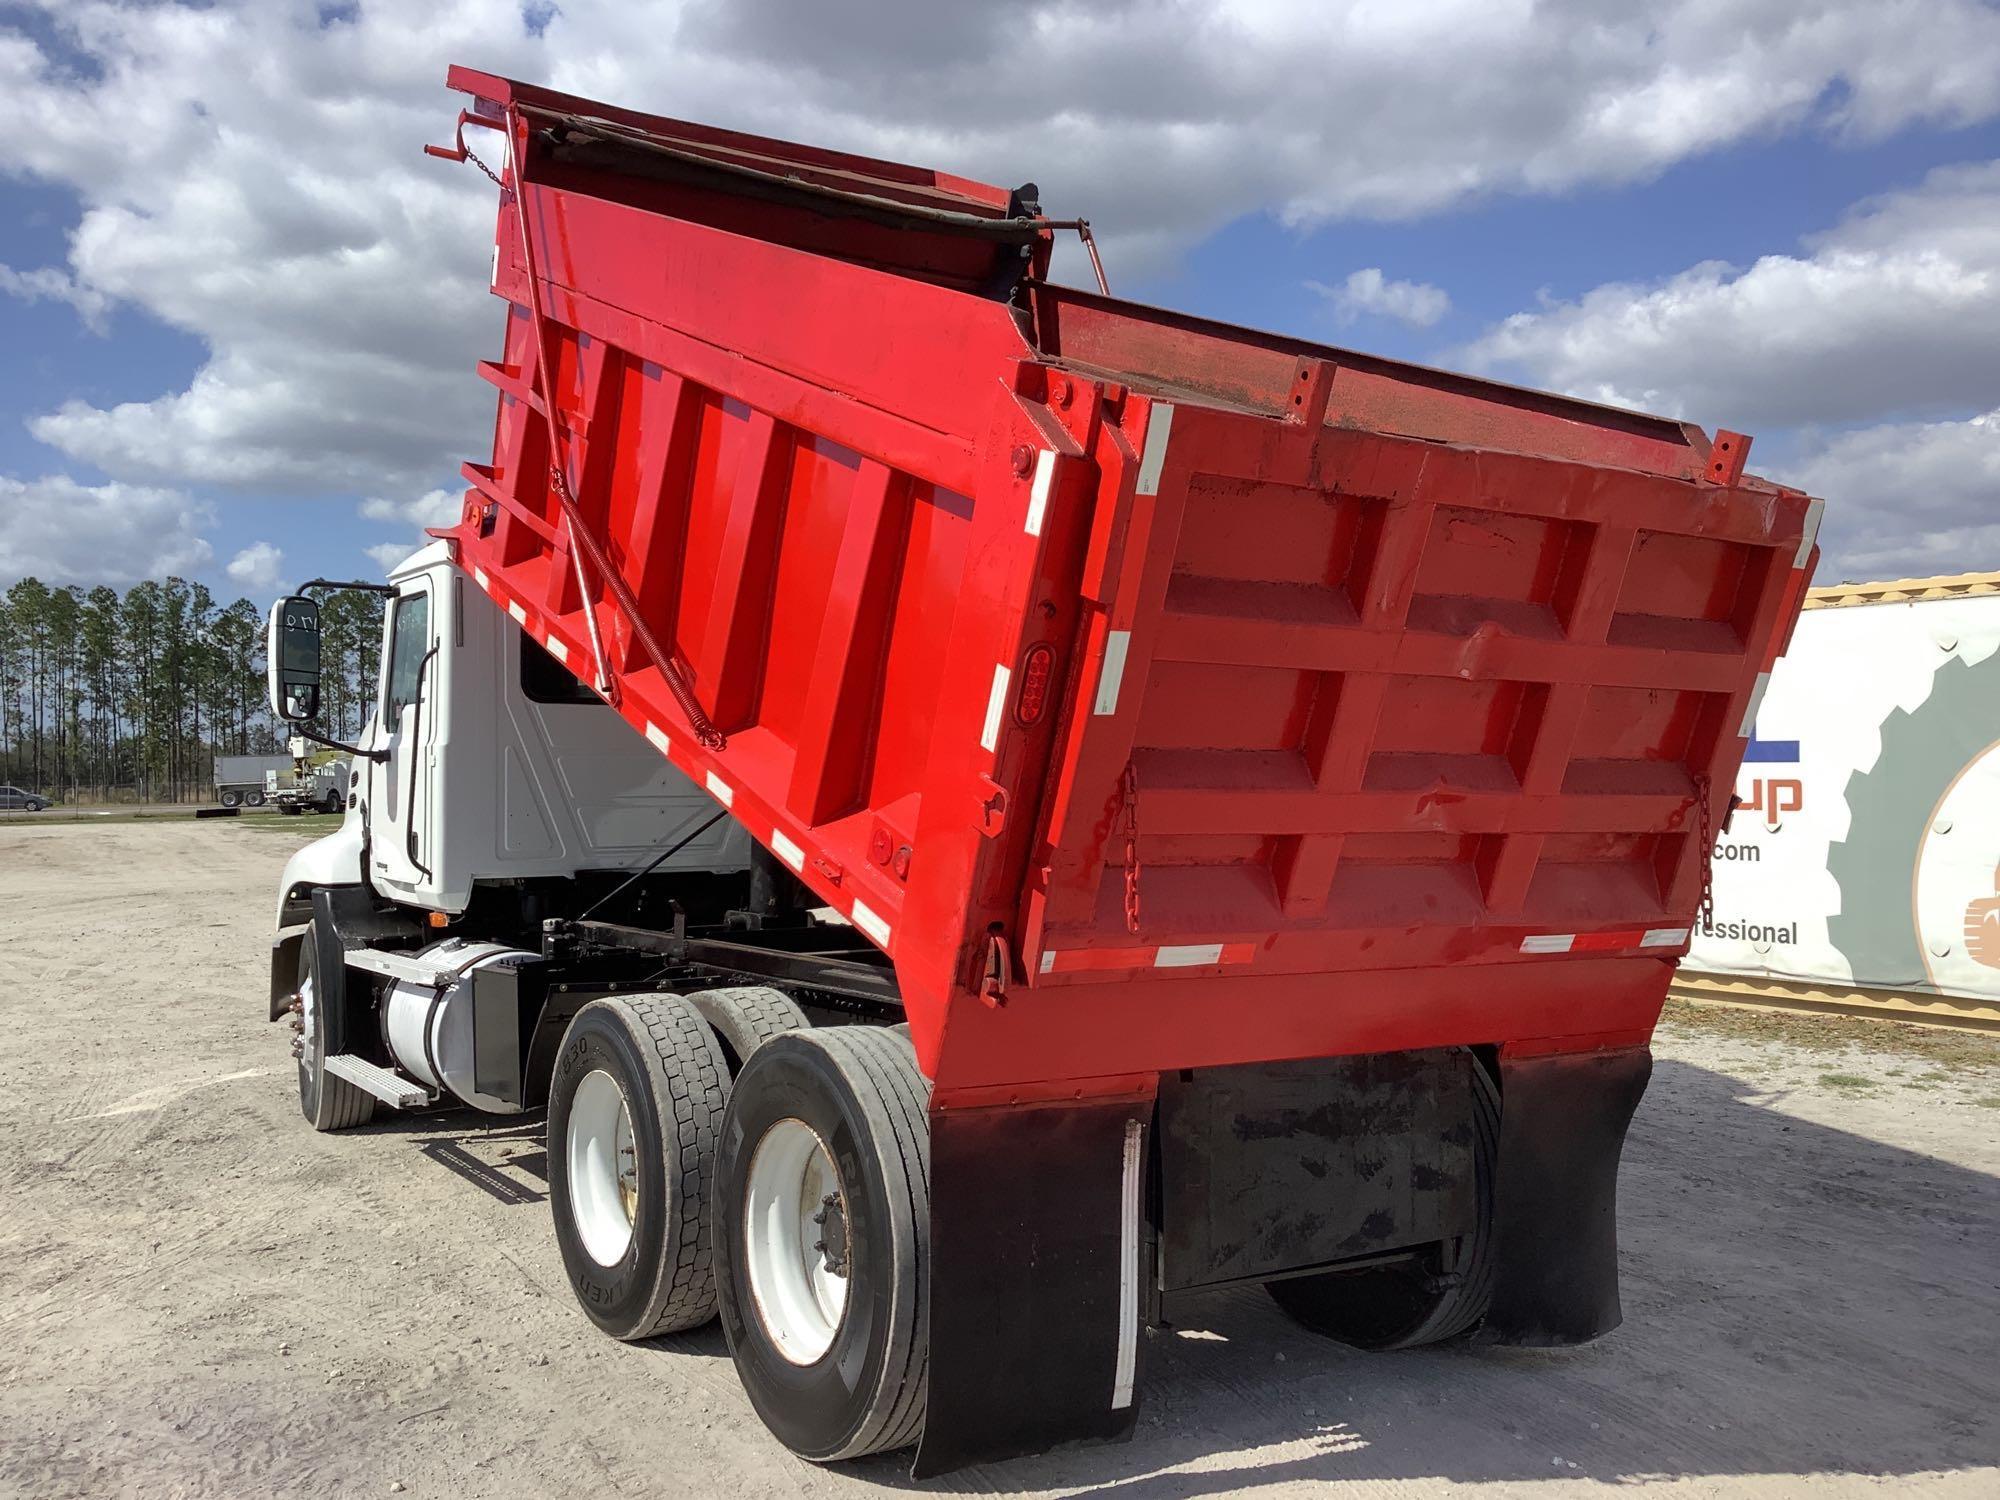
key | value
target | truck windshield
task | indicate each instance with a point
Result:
(410, 640)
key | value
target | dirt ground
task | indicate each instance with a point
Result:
(199, 1296)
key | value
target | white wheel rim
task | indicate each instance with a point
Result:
(306, 1058)
(603, 1168)
(799, 1300)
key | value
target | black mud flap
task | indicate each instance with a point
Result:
(285, 969)
(1562, 1128)
(1037, 1278)
(344, 917)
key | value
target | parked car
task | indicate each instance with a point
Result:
(14, 798)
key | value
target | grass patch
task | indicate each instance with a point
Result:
(313, 824)
(1851, 1081)
(1991, 1101)
(1946, 1052)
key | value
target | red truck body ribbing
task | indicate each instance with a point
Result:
(1154, 693)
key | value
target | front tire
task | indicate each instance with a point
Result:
(328, 1103)
(823, 1215)
(635, 1110)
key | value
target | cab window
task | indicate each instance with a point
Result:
(546, 680)
(409, 643)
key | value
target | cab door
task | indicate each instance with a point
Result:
(402, 807)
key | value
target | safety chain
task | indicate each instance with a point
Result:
(1705, 913)
(469, 156)
(1131, 785)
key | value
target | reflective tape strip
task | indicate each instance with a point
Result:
(1809, 534)
(1116, 646)
(1756, 702)
(658, 736)
(868, 922)
(520, 615)
(788, 851)
(1038, 497)
(558, 650)
(479, 574)
(721, 790)
(494, 278)
(996, 704)
(1158, 426)
(1622, 940)
(1128, 1270)
(1189, 956)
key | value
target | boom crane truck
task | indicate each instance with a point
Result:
(981, 810)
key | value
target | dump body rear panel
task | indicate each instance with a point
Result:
(1228, 698)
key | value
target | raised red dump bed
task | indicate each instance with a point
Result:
(1156, 694)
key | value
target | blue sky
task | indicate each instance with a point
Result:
(241, 311)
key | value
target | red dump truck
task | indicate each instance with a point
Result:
(983, 810)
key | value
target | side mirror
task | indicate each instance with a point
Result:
(291, 655)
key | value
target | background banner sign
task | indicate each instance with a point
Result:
(1865, 845)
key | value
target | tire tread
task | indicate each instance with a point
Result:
(691, 1089)
(886, 1060)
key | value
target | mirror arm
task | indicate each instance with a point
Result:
(386, 589)
(319, 739)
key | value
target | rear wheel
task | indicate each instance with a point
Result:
(635, 1108)
(328, 1103)
(232, 799)
(334, 803)
(745, 1017)
(253, 799)
(1418, 1301)
(824, 1218)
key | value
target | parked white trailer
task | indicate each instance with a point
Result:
(1859, 867)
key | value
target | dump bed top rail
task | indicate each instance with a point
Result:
(1116, 672)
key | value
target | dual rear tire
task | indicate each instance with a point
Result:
(710, 1154)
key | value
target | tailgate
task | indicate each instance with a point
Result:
(1358, 700)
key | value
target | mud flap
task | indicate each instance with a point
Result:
(1038, 1278)
(1562, 1128)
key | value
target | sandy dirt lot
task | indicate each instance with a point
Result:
(199, 1296)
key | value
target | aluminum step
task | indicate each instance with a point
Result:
(391, 1088)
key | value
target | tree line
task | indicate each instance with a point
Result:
(108, 696)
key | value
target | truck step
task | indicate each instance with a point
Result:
(390, 1088)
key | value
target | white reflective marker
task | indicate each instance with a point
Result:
(1116, 645)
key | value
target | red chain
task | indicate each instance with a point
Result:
(1131, 848)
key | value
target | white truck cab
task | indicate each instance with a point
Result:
(486, 760)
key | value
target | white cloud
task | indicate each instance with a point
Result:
(60, 531)
(387, 554)
(1894, 312)
(258, 567)
(432, 508)
(1906, 500)
(1368, 292)
(49, 284)
(1868, 355)
(252, 176)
